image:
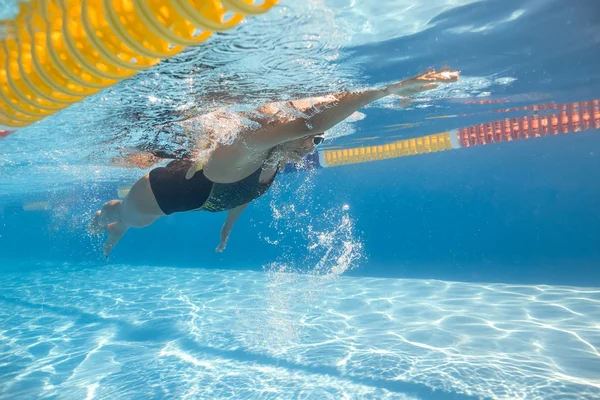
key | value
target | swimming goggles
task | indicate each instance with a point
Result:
(317, 140)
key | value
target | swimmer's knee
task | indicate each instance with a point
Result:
(110, 207)
(111, 204)
(111, 211)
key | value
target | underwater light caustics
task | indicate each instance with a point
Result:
(58, 52)
(568, 118)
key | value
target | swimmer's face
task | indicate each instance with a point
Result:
(296, 150)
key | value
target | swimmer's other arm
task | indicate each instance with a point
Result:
(335, 108)
(232, 216)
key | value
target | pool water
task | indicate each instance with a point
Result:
(470, 273)
(127, 331)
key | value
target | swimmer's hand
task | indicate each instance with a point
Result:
(225, 231)
(221, 247)
(232, 216)
(421, 83)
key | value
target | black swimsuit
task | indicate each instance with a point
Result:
(174, 193)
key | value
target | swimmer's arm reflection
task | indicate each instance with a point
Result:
(232, 216)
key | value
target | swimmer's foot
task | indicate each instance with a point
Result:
(116, 230)
(424, 82)
(93, 227)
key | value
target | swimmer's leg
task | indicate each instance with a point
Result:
(137, 210)
(115, 230)
(129, 216)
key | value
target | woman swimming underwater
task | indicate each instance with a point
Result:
(236, 173)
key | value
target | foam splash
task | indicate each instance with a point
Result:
(327, 234)
(317, 245)
(337, 247)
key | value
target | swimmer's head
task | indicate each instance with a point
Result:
(296, 150)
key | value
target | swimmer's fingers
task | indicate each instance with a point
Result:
(220, 247)
(424, 82)
(429, 80)
(444, 75)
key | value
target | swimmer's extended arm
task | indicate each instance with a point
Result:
(341, 106)
(232, 216)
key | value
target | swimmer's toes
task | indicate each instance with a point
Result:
(107, 248)
(116, 230)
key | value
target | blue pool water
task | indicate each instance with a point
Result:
(466, 274)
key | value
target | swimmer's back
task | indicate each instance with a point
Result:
(174, 193)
